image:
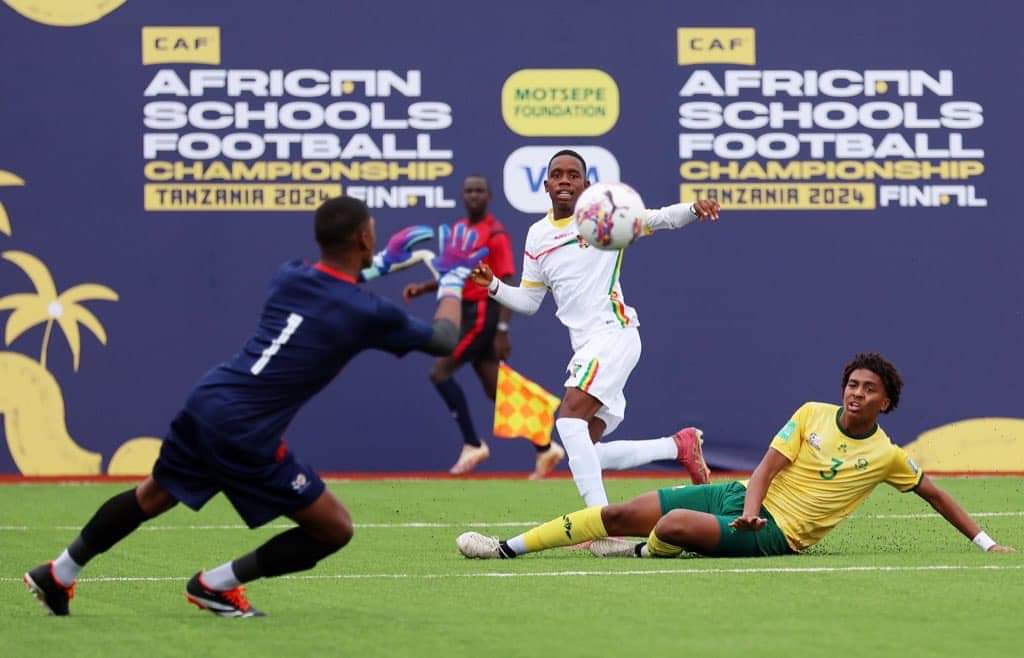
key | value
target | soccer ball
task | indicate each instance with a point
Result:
(610, 216)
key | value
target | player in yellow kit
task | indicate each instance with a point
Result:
(818, 469)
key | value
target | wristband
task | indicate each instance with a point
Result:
(502, 326)
(492, 287)
(450, 284)
(983, 541)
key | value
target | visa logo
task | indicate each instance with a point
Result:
(527, 167)
(535, 176)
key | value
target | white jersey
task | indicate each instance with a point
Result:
(584, 280)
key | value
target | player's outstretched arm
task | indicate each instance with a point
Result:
(950, 510)
(521, 299)
(772, 462)
(445, 335)
(679, 215)
(459, 256)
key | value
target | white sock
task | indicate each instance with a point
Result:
(65, 569)
(583, 460)
(221, 579)
(620, 455)
(517, 544)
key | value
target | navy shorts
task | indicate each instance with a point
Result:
(479, 324)
(196, 463)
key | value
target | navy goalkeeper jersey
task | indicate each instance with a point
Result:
(314, 321)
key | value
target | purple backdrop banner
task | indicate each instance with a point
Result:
(159, 161)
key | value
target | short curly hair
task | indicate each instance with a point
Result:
(882, 367)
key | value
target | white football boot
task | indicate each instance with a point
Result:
(481, 547)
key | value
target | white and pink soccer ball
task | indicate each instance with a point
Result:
(610, 216)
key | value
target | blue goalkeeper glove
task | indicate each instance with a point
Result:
(458, 257)
(398, 252)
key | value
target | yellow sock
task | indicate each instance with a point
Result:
(566, 530)
(659, 548)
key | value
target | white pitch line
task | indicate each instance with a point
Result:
(580, 573)
(239, 526)
(981, 515)
(467, 524)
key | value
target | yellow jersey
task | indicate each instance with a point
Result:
(831, 472)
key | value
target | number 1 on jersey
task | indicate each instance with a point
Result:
(294, 320)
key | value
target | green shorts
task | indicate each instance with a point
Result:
(725, 502)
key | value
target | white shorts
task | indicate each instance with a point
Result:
(601, 367)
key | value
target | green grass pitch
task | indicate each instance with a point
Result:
(893, 580)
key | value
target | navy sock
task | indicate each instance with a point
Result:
(456, 401)
(292, 550)
(113, 521)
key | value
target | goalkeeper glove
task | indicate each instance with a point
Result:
(398, 253)
(457, 259)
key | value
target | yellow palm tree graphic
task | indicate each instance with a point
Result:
(7, 179)
(47, 306)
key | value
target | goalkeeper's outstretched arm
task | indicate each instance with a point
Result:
(445, 336)
(459, 256)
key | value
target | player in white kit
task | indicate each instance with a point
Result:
(602, 329)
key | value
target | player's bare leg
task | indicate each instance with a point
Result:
(683, 529)
(635, 518)
(324, 527)
(474, 451)
(487, 372)
(327, 520)
(153, 499)
(53, 583)
(679, 530)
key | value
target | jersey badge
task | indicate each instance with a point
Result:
(300, 483)
(787, 431)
